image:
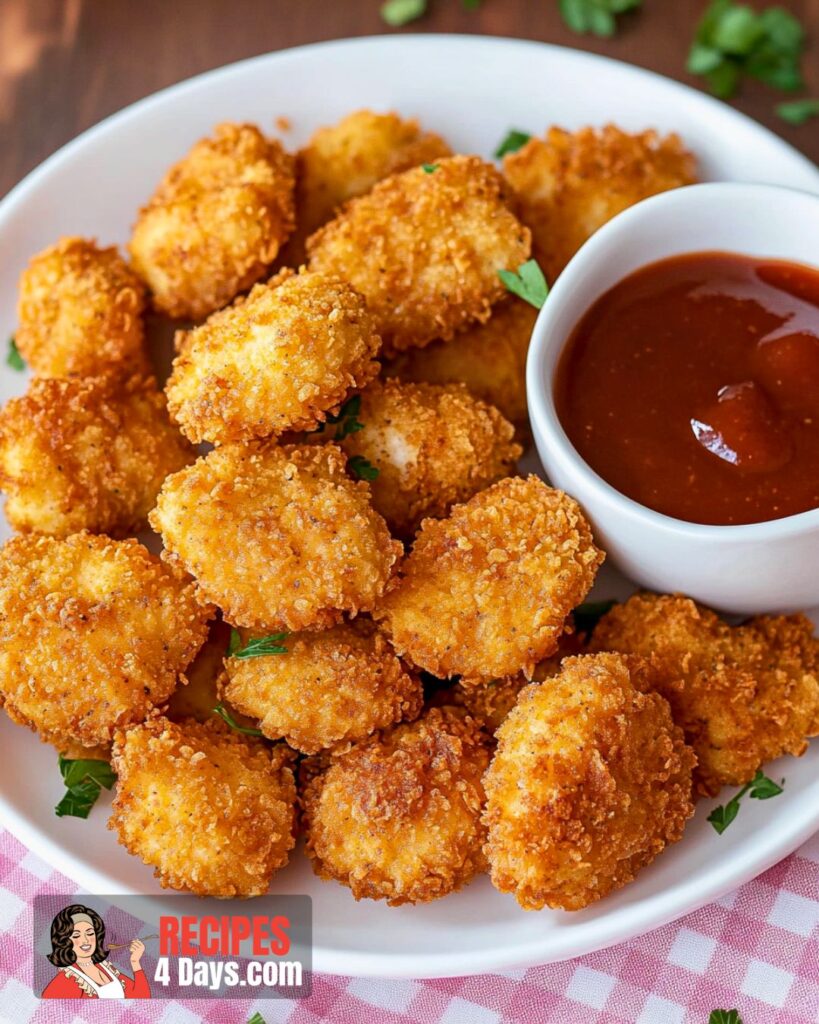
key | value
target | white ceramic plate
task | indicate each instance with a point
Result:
(471, 90)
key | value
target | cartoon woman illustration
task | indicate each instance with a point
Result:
(78, 950)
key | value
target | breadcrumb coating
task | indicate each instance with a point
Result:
(489, 358)
(743, 695)
(568, 184)
(211, 811)
(279, 538)
(486, 592)
(346, 159)
(93, 634)
(87, 454)
(425, 249)
(279, 360)
(216, 221)
(80, 312)
(433, 446)
(398, 816)
(330, 689)
(591, 780)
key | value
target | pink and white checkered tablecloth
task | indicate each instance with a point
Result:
(756, 950)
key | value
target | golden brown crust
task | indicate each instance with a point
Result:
(490, 358)
(425, 249)
(433, 445)
(397, 817)
(279, 359)
(346, 159)
(87, 453)
(743, 695)
(330, 689)
(80, 312)
(568, 184)
(279, 538)
(590, 782)
(93, 634)
(212, 812)
(486, 592)
(216, 221)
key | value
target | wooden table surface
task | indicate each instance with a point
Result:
(65, 64)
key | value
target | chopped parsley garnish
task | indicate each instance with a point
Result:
(259, 647)
(257, 1018)
(512, 143)
(798, 111)
(587, 615)
(732, 40)
(226, 716)
(527, 282)
(401, 12)
(760, 788)
(345, 420)
(596, 16)
(13, 358)
(429, 168)
(725, 1017)
(84, 779)
(362, 468)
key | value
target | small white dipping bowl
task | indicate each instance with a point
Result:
(771, 566)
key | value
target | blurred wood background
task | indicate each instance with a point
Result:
(65, 64)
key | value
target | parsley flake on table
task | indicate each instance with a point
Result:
(84, 779)
(13, 358)
(599, 17)
(401, 12)
(257, 1018)
(732, 39)
(527, 282)
(760, 788)
(259, 647)
(798, 111)
(226, 716)
(725, 1017)
(362, 468)
(512, 143)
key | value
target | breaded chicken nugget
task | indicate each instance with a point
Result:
(489, 358)
(346, 159)
(279, 538)
(216, 221)
(87, 453)
(743, 695)
(328, 690)
(568, 184)
(212, 812)
(93, 634)
(590, 781)
(397, 817)
(80, 312)
(278, 360)
(486, 592)
(425, 249)
(433, 445)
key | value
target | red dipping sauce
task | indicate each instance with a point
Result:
(692, 386)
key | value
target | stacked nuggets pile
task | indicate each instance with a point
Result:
(355, 526)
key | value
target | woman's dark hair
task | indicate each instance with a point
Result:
(62, 950)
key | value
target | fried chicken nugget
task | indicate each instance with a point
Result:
(486, 592)
(328, 690)
(489, 358)
(397, 817)
(93, 634)
(743, 695)
(346, 159)
(80, 312)
(590, 782)
(278, 360)
(212, 812)
(425, 249)
(279, 538)
(216, 221)
(568, 184)
(87, 454)
(433, 446)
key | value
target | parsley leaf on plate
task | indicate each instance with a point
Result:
(362, 468)
(226, 716)
(725, 1017)
(587, 615)
(595, 16)
(527, 282)
(14, 359)
(760, 788)
(512, 143)
(259, 647)
(401, 12)
(84, 779)
(798, 111)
